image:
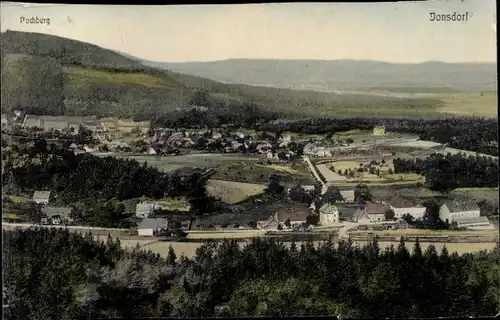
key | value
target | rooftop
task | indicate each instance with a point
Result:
(375, 208)
(41, 194)
(150, 223)
(56, 211)
(461, 204)
(400, 201)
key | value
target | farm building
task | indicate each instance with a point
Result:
(151, 227)
(59, 123)
(328, 215)
(56, 215)
(371, 213)
(402, 205)
(293, 215)
(41, 196)
(379, 131)
(463, 212)
(145, 209)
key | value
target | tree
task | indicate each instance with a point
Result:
(333, 195)
(297, 194)
(274, 187)
(408, 218)
(362, 194)
(389, 215)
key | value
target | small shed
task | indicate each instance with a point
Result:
(41, 196)
(151, 227)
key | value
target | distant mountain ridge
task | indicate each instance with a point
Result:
(325, 75)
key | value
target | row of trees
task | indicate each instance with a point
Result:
(447, 172)
(51, 274)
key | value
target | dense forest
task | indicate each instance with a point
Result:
(55, 274)
(448, 172)
(468, 133)
(74, 177)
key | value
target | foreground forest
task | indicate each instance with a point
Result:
(55, 274)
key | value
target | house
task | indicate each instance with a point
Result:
(379, 131)
(293, 214)
(145, 209)
(402, 205)
(151, 151)
(41, 196)
(271, 155)
(328, 215)
(348, 196)
(151, 227)
(463, 212)
(371, 213)
(56, 215)
(386, 152)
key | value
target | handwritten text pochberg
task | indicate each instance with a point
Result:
(34, 20)
(450, 17)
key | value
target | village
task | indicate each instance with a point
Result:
(340, 168)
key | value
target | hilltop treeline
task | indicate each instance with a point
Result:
(468, 133)
(55, 274)
(447, 172)
(75, 177)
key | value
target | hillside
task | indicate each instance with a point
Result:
(342, 74)
(103, 82)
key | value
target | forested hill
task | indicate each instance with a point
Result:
(74, 77)
(342, 74)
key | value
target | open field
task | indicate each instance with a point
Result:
(482, 104)
(366, 177)
(18, 199)
(489, 194)
(205, 160)
(329, 175)
(249, 172)
(233, 192)
(79, 76)
(409, 89)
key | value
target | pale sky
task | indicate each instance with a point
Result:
(393, 32)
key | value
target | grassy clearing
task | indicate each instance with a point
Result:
(366, 177)
(479, 194)
(250, 172)
(470, 103)
(18, 199)
(173, 204)
(233, 192)
(279, 168)
(78, 76)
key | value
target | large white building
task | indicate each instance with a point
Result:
(462, 212)
(328, 215)
(402, 205)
